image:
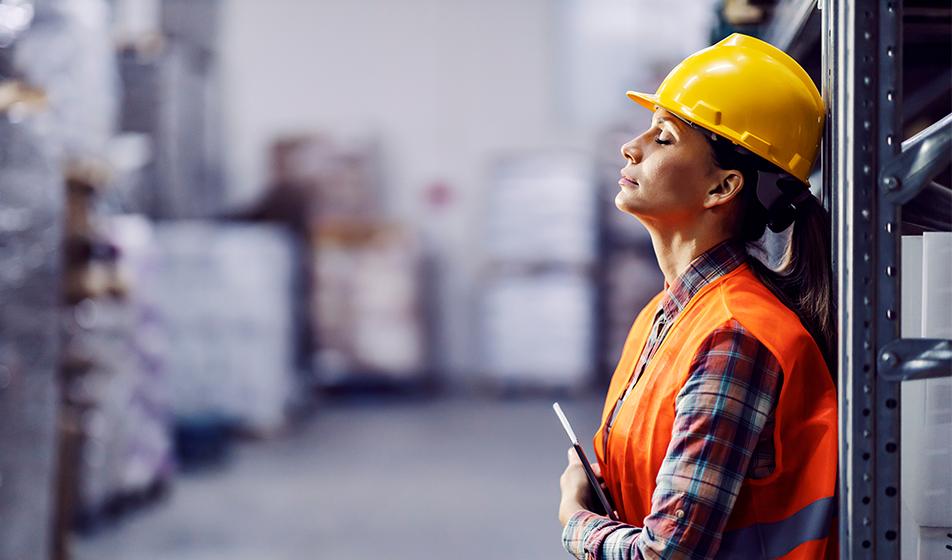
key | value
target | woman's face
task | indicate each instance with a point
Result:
(669, 175)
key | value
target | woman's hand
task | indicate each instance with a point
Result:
(575, 489)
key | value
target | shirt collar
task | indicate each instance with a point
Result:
(709, 266)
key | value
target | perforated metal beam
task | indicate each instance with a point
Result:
(862, 75)
(871, 173)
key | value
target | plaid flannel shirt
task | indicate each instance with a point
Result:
(722, 434)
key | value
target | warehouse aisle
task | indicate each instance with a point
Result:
(372, 479)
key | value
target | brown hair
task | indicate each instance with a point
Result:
(803, 279)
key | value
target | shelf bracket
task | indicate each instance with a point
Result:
(922, 157)
(906, 359)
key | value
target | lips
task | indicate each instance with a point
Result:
(627, 182)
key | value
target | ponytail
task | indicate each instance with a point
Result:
(802, 279)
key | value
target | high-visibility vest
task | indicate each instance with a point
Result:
(788, 514)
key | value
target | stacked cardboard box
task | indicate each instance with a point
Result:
(539, 291)
(319, 180)
(126, 449)
(115, 444)
(540, 329)
(365, 325)
(368, 319)
(131, 425)
(542, 209)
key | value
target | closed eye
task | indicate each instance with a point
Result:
(658, 140)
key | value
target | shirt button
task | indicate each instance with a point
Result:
(679, 514)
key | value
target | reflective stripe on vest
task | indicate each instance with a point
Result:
(773, 540)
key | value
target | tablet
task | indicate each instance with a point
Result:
(601, 494)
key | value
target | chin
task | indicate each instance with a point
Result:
(625, 204)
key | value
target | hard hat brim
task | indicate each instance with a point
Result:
(647, 100)
(650, 101)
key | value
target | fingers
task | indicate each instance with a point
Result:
(573, 457)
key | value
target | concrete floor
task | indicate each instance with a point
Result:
(373, 479)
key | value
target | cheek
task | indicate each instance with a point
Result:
(669, 176)
(674, 185)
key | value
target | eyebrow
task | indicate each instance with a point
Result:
(661, 120)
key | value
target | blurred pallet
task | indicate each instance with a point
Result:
(367, 308)
(537, 326)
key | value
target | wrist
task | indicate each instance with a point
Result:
(569, 506)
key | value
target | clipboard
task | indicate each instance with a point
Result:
(601, 494)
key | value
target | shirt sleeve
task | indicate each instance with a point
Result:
(720, 412)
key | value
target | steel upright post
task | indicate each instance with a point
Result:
(871, 173)
(849, 87)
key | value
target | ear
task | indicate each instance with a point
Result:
(725, 190)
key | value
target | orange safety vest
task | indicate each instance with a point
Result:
(788, 514)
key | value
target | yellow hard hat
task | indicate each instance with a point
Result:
(751, 93)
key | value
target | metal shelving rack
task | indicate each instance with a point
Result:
(872, 174)
(869, 173)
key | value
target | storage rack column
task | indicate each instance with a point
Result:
(872, 173)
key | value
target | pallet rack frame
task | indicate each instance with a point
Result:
(871, 172)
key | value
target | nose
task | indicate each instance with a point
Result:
(631, 151)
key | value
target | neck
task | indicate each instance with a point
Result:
(676, 248)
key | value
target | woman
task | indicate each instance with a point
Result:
(718, 436)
